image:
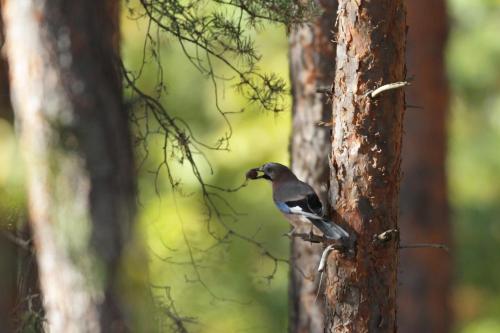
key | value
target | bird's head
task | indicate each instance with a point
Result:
(270, 171)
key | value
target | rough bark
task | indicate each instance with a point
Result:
(425, 275)
(365, 165)
(67, 96)
(312, 64)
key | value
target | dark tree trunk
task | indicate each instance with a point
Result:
(67, 96)
(366, 159)
(8, 249)
(5, 107)
(425, 275)
(312, 64)
(8, 285)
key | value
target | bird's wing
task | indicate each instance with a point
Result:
(328, 228)
(293, 191)
(311, 208)
(298, 198)
(308, 204)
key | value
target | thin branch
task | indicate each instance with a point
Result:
(411, 106)
(425, 245)
(309, 237)
(325, 90)
(24, 244)
(391, 234)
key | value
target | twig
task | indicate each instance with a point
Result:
(310, 237)
(425, 245)
(25, 244)
(319, 286)
(325, 123)
(388, 235)
(411, 106)
(322, 265)
(325, 90)
(386, 87)
(324, 255)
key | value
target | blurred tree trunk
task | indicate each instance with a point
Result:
(312, 66)
(18, 270)
(425, 276)
(5, 107)
(8, 250)
(67, 96)
(8, 278)
(366, 159)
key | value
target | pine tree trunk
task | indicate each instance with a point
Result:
(366, 159)
(67, 97)
(425, 274)
(312, 64)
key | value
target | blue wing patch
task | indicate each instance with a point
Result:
(283, 207)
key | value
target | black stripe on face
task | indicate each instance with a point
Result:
(266, 177)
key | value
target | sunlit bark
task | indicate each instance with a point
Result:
(365, 165)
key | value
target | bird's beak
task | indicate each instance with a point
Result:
(254, 174)
(264, 174)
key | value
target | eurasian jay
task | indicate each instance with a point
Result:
(297, 200)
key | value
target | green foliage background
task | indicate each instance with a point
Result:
(233, 287)
(473, 60)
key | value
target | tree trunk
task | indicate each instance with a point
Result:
(8, 250)
(20, 303)
(312, 64)
(8, 285)
(5, 107)
(365, 169)
(425, 275)
(67, 96)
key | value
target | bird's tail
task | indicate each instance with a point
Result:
(329, 229)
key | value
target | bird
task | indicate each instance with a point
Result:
(297, 200)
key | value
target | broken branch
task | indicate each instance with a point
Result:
(324, 255)
(386, 87)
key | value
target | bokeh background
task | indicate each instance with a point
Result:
(234, 287)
